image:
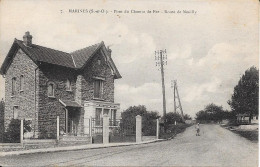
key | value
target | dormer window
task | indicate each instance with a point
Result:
(13, 86)
(21, 82)
(51, 89)
(68, 85)
(98, 89)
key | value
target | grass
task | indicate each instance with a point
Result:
(173, 130)
(251, 135)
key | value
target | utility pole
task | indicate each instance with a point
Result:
(176, 95)
(161, 61)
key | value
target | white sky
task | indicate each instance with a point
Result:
(207, 52)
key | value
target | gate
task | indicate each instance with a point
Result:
(97, 130)
(121, 131)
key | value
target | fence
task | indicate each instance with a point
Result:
(120, 131)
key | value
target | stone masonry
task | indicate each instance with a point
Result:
(33, 102)
(25, 99)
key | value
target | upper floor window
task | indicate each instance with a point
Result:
(98, 89)
(68, 85)
(21, 82)
(13, 85)
(51, 89)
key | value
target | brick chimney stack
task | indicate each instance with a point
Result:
(27, 39)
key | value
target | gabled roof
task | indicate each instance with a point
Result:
(75, 60)
(47, 55)
(81, 56)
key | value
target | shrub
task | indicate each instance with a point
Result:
(45, 135)
(173, 130)
(12, 134)
(148, 120)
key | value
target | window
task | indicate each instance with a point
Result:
(98, 89)
(21, 82)
(98, 117)
(51, 90)
(13, 86)
(113, 114)
(15, 112)
(99, 62)
(113, 117)
(68, 85)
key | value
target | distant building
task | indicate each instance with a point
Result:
(43, 83)
(244, 118)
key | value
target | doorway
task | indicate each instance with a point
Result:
(72, 121)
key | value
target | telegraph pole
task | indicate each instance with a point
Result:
(161, 58)
(176, 95)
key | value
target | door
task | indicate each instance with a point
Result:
(73, 121)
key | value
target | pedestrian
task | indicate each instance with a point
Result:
(197, 127)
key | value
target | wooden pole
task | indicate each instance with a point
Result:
(21, 132)
(58, 128)
(67, 117)
(163, 86)
(157, 128)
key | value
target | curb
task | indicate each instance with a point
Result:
(74, 148)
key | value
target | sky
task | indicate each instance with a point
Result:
(208, 49)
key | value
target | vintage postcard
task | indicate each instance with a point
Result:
(129, 83)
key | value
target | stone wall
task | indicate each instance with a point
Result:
(102, 70)
(24, 100)
(2, 127)
(50, 107)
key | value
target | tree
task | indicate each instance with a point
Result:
(245, 96)
(148, 118)
(171, 117)
(187, 117)
(212, 112)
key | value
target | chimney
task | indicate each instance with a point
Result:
(109, 51)
(27, 39)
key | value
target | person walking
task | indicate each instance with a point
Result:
(197, 129)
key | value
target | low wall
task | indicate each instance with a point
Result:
(148, 138)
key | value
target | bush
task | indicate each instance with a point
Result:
(12, 134)
(148, 120)
(173, 130)
(45, 135)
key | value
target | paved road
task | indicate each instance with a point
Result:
(215, 147)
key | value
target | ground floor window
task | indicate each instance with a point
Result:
(15, 112)
(98, 116)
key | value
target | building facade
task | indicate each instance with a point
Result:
(43, 83)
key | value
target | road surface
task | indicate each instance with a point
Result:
(215, 147)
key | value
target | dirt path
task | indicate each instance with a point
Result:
(215, 147)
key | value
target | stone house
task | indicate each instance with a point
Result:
(43, 83)
(1, 120)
